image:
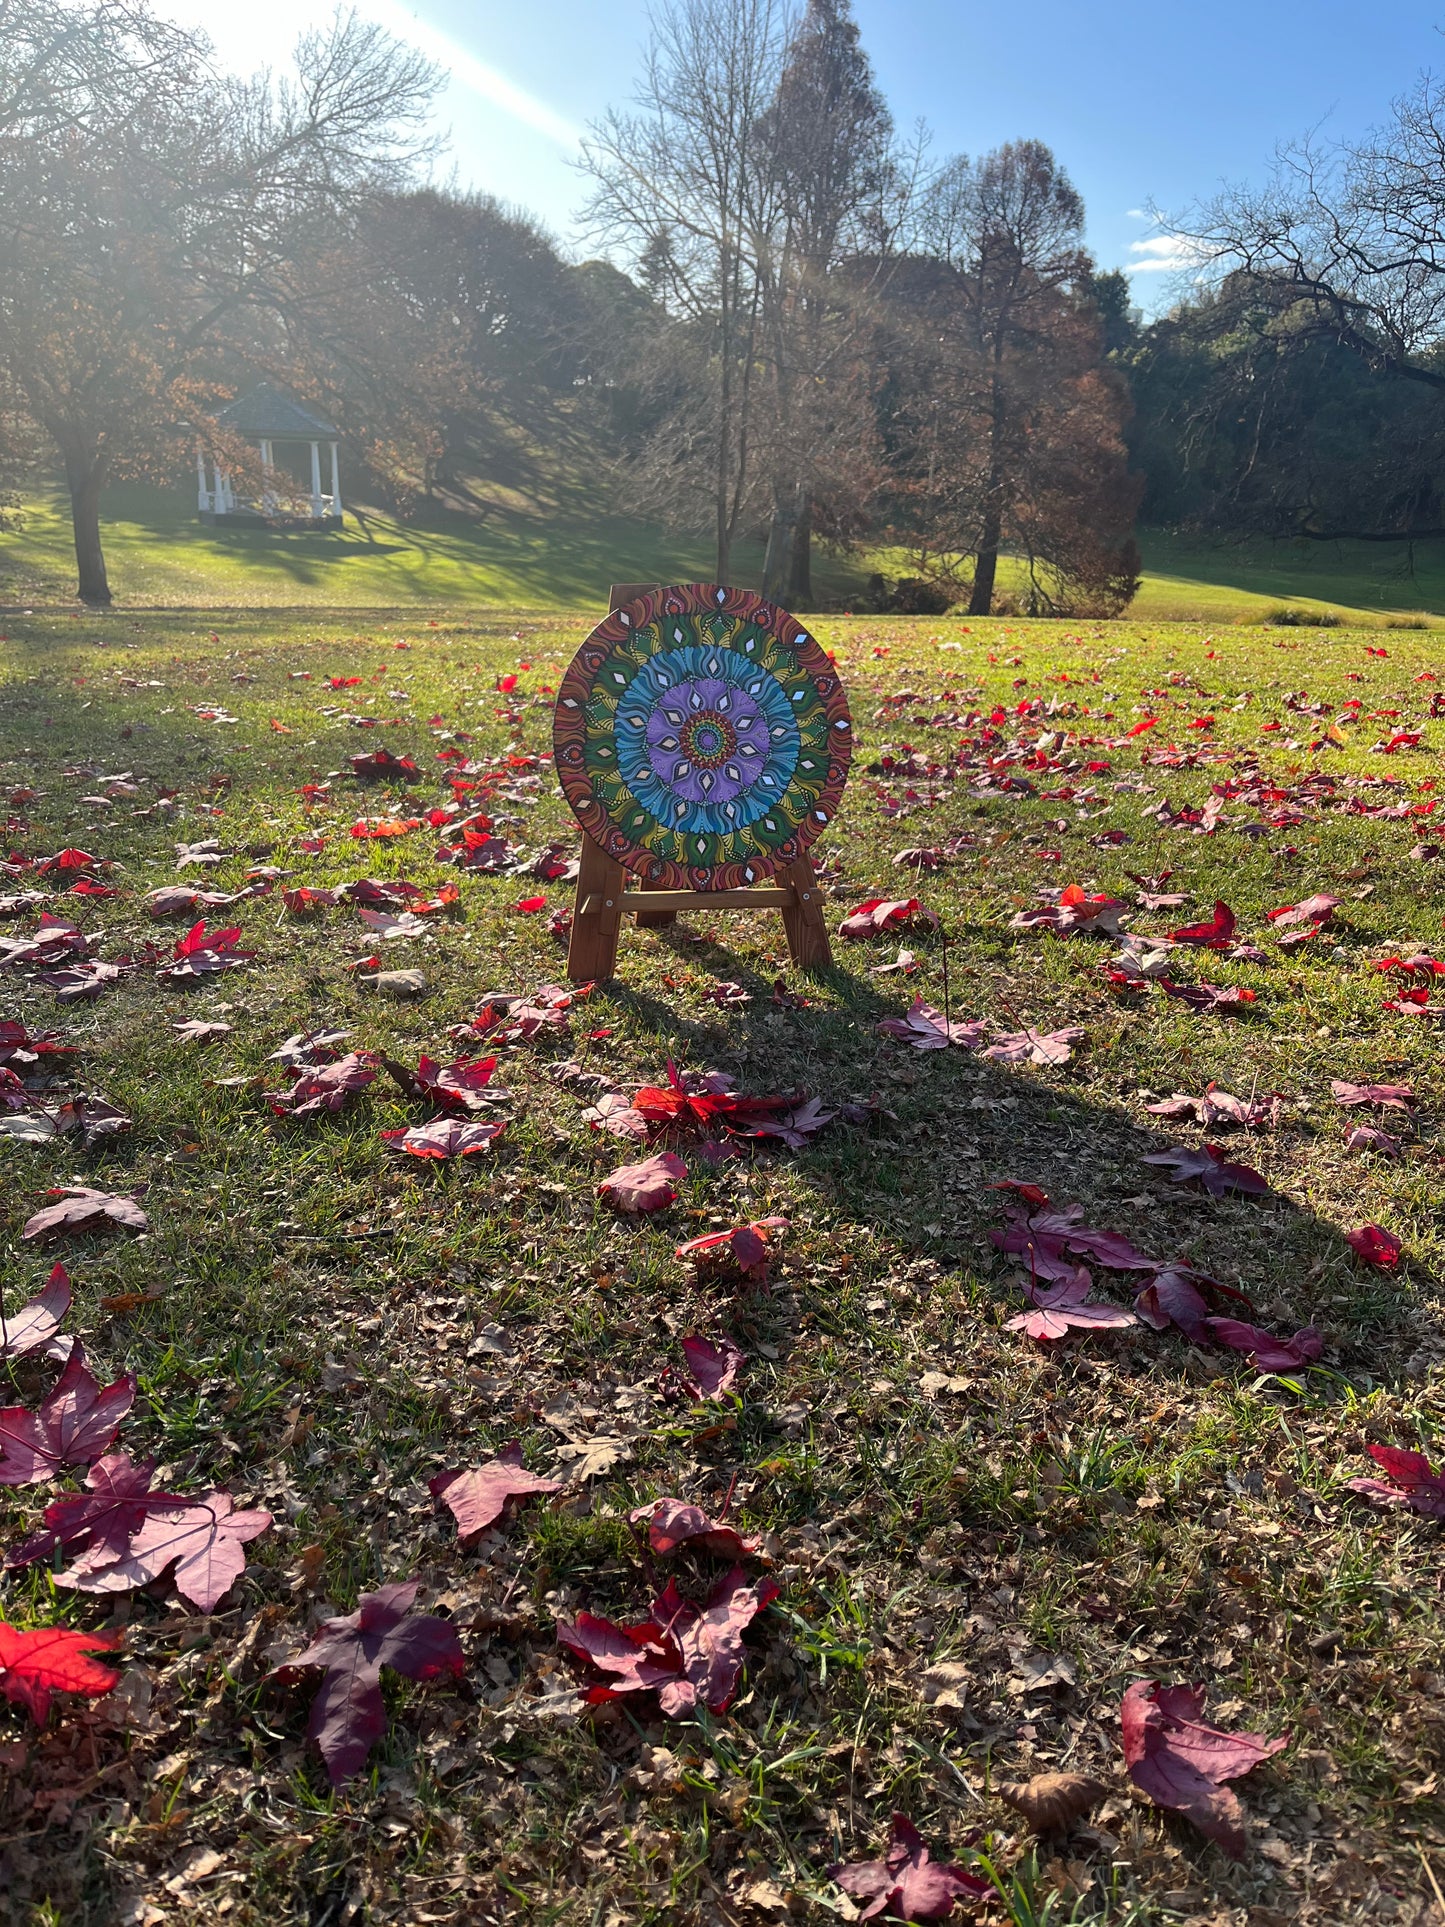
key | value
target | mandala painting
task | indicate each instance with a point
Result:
(702, 738)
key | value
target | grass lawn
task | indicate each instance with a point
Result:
(981, 1540)
(160, 556)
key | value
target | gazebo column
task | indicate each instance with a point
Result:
(335, 484)
(203, 494)
(268, 494)
(316, 481)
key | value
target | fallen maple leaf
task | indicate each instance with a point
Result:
(199, 955)
(73, 1426)
(53, 1659)
(325, 1087)
(1172, 1297)
(714, 1368)
(673, 1522)
(1030, 1046)
(907, 1882)
(1316, 910)
(347, 1715)
(1210, 1169)
(1055, 1312)
(1376, 1247)
(691, 1656)
(741, 1252)
(33, 1327)
(927, 1029)
(477, 1497)
(457, 1086)
(379, 763)
(445, 1137)
(101, 1520)
(1390, 1097)
(82, 1209)
(1217, 1109)
(1368, 1137)
(885, 913)
(1214, 935)
(648, 1186)
(793, 1127)
(201, 1537)
(1408, 1482)
(1270, 1354)
(1179, 1762)
(1207, 996)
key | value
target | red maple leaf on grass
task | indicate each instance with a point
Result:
(445, 1137)
(927, 1029)
(713, 1369)
(1381, 1250)
(100, 1520)
(1408, 1482)
(1179, 1762)
(478, 1496)
(885, 913)
(347, 1715)
(648, 1186)
(674, 1522)
(689, 1655)
(1210, 1169)
(201, 1537)
(53, 1659)
(84, 1209)
(907, 1883)
(73, 1427)
(742, 1252)
(1270, 1354)
(1217, 934)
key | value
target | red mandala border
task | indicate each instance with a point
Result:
(569, 731)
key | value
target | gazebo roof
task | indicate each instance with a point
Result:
(264, 410)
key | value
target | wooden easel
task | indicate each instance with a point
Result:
(604, 898)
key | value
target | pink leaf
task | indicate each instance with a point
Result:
(648, 1186)
(73, 1427)
(477, 1497)
(322, 1088)
(102, 1520)
(1393, 1097)
(925, 1028)
(691, 1655)
(673, 1522)
(1181, 1763)
(446, 1137)
(347, 1715)
(885, 913)
(201, 1537)
(1030, 1046)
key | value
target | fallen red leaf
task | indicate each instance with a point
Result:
(907, 1883)
(1373, 1246)
(1067, 1307)
(714, 1368)
(477, 1496)
(201, 1537)
(673, 1522)
(446, 1137)
(648, 1186)
(926, 1028)
(1391, 1097)
(52, 1659)
(82, 1209)
(348, 1716)
(690, 1655)
(885, 913)
(1270, 1354)
(1210, 1169)
(101, 1520)
(1408, 1482)
(1217, 934)
(73, 1426)
(1179, 1762)
(35, 1324)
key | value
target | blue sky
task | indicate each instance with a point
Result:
(1156, 102)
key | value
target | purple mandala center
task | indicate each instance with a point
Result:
(708, 740)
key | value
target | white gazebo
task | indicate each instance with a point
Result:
(289, 439)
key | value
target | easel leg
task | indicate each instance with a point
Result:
(597, 917)
(803, 919)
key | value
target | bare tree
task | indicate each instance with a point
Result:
(151, 213)
(682, 188)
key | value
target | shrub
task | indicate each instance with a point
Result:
(1293, 618)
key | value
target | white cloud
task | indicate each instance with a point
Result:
(1165, 254)
(1136, 214)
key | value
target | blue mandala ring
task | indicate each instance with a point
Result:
(702, 737)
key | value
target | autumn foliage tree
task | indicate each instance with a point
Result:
(1004, 420)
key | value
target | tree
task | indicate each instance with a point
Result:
(153, 217)
(1344, 247)
(1005, 423)
(828, 135)
(682, 187)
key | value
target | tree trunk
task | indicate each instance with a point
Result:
(800, 569)
(781, 536)
(980, 603)
(84, 480)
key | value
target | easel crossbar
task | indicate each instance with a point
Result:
(675, 900)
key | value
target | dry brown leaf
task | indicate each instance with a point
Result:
(1051, 1801)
